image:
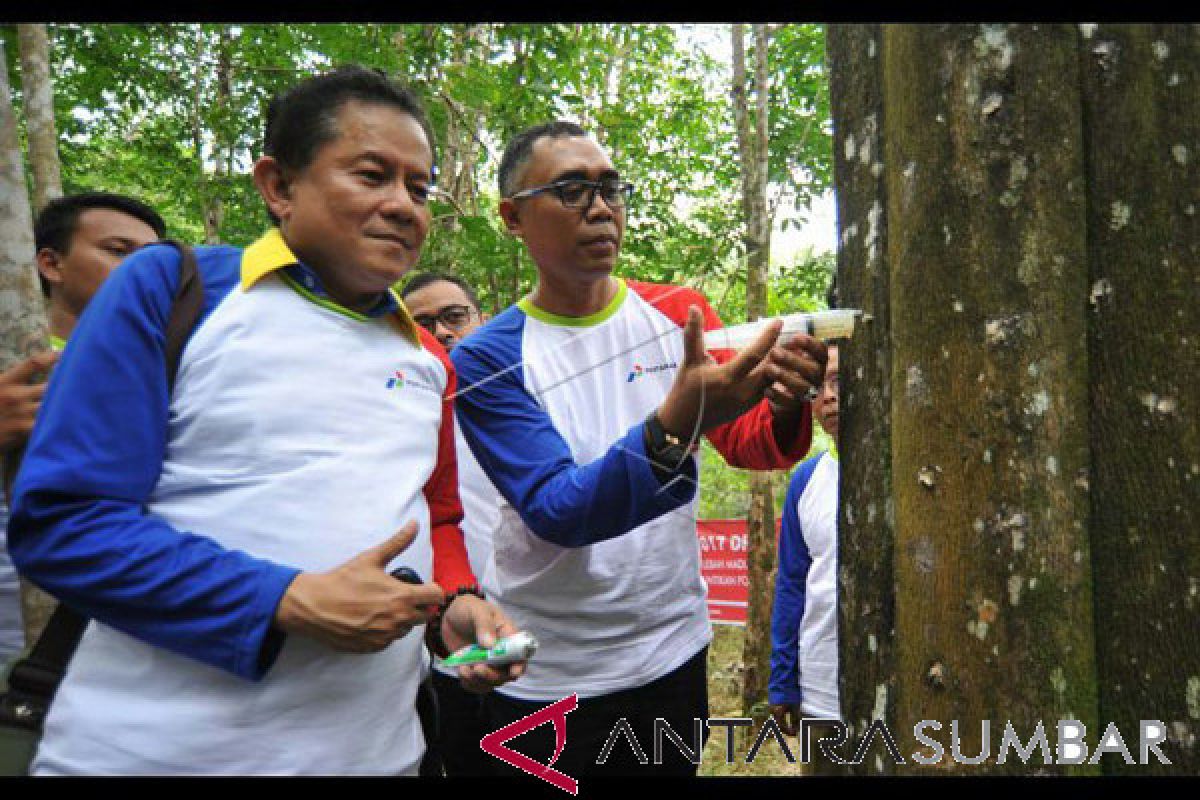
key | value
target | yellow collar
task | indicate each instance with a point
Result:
(271, 253)
(266, 255)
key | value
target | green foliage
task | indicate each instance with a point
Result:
(174, 113)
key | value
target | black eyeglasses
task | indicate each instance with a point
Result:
(453, 317)
(578, 193)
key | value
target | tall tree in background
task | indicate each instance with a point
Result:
(760, 521)
(42, 133)
(22, 318)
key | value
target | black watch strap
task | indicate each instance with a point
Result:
(666, 451)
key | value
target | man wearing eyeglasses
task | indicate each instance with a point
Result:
(584, 403)
(444, 305)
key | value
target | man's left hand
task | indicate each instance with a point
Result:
(471, 620)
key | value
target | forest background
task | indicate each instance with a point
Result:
(173, 114)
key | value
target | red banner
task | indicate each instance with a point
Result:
(723, 553)
(723, 565)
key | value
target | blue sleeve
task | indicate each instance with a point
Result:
(788, 610)
(80, 529)
(516, 444)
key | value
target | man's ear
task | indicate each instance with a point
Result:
(273, 185)
(508, 213)
(49, 265)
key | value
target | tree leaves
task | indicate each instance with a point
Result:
(153, 110)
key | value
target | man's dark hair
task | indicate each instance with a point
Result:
(520, 147)
(57, 222)
(423, 279)
(304, 117)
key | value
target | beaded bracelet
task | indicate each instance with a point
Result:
(433, 632)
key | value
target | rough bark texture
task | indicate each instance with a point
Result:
(760, 521)
(214, 212)
(866, 517)
(984, 199)
(39, 113)
(1141, 92)
(460, 150)
(22, 318)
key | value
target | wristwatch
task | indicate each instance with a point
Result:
(665, 450)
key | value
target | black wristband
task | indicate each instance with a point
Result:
(433, 633)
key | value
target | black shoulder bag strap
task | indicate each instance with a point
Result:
(35, 678)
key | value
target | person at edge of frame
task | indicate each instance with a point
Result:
(78, 239)
(804, 629)
(583, 404)
(232, 540)
(448, 307)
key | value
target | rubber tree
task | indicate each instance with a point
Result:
(760, 521)
(1021, 485)
(38, 90)
(22, 316)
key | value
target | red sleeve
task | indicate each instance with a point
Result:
(451, 569)
(747, 442)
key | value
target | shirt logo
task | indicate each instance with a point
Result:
(399, 380)
(638, 370)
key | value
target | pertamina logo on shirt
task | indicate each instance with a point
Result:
(399, 381)
(638, 370)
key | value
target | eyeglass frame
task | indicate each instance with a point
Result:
(434, 319)
(557, 187)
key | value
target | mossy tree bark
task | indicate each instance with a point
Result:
(982, 194)
(1141, 91)
(866, 615)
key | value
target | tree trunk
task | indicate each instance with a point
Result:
(222, 151)
(1038, 195)
(22, 318)
(760, 522)
(460, 150)
(1141, 89)
(39, 113)
(210, 202)
(866, 527)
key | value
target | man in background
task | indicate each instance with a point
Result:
(79, 240)
(447, 307)
(804, 635)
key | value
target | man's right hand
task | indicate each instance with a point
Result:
(707, 394)
(358, 607)
(20, 399)
(787, 716)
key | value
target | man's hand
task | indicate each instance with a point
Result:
(798, 366)
(706, 394)
(20, 399)
(787, 716)
(358, 607)
(470, 620)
